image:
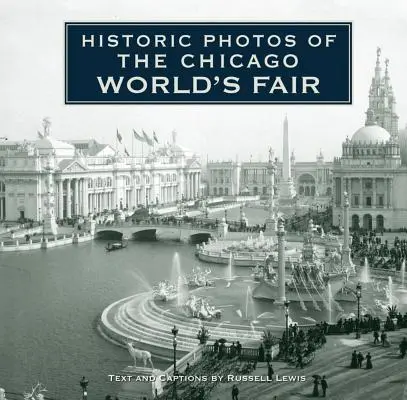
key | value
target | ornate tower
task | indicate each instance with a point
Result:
(382, 101)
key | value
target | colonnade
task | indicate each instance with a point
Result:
(192, 185)
(74, 197)
(372, 192)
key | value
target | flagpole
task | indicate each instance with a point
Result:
(132, 147)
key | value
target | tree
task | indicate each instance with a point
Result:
(269, 340)
(392, 311)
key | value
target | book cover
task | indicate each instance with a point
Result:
(203, 200)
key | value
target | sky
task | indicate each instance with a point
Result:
(32, 77)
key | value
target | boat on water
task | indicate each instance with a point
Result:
(116, 246)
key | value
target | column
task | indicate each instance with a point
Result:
(281, 261)
(76, 197)
(199, 183)
(350, 192)
(361, 193)
(385, 192)
(61, 198)
(1, 208)
(68, 199)
(196, 187)
(391, 192)
(186, 186)
(374, 193)
(85, 198)
(346, 260)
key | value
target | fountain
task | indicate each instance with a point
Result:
(229, 277)
(402, 273)
(309, 279)
(249, 304)
(389, 291)
(178, 280)
(365, 276)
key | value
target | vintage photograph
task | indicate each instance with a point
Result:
(202, 251)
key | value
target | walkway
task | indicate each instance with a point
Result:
(386, 381)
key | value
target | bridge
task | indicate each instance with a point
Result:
(182, 231)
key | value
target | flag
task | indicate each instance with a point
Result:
(119, 137)
(40, 135)
(155, 137)
(148, 140)
(138, 137)
(126, 152)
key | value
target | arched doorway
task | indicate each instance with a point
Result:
(379, 222)
(367, 222)
(306, 185)
(355, 222)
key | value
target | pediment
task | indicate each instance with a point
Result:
(74, 166)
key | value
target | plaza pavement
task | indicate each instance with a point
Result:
(386, 381)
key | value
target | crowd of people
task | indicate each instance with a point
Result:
(348, 325)
(379, 253)
(299, 347)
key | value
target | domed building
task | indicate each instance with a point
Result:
(372, 168)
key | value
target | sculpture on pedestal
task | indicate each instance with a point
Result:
(137, 354)
(271, 221)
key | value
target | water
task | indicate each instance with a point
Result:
(49, 301)
(403, 273)
(365, 276)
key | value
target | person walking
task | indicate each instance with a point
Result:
(354, 362)
(324, 386)
(360, 359)
(235, 392)
(315, 392)
(376, 337)
(383, 338)
(270, 371)
(369, 364)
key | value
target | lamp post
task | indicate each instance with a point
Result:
(286, 309)
(226, 215)
(84, 385)
(43, 230)
(174, 331)
(358, 296)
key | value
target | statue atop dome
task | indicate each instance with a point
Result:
(46, 124)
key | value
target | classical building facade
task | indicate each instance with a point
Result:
(310, 179)
(63, 179)
(373, 165)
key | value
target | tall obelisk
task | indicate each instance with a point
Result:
(287, 190)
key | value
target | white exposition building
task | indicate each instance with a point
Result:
(373, 166)
(61, 179)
